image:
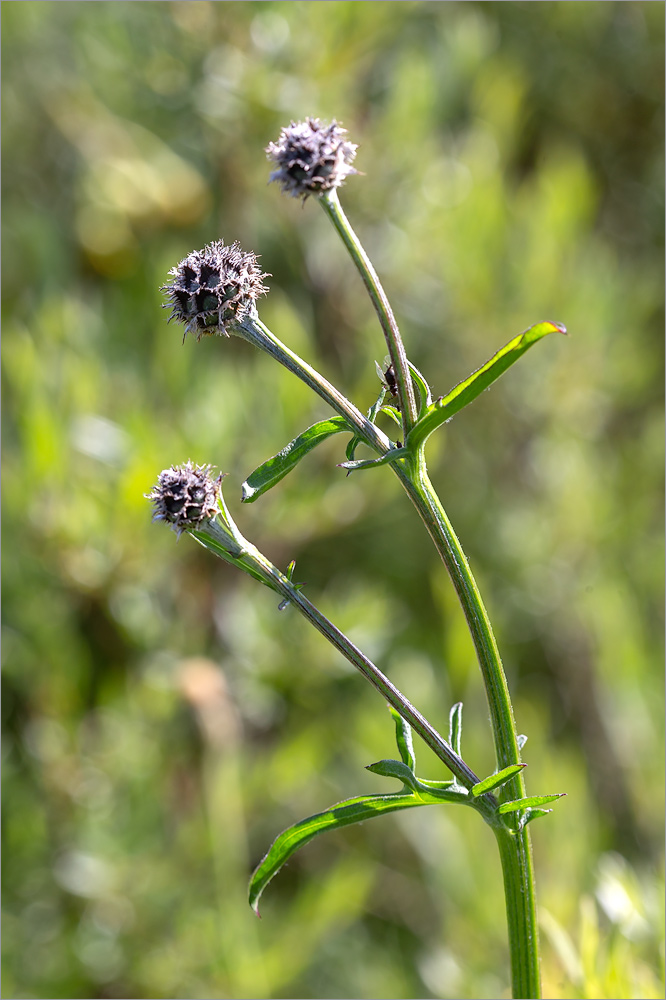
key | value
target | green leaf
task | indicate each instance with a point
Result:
(455, 727)
(370, 463)
(403, 738)
(465, 392)
(495, 780)
(392, 412)
(531, 814)
(531, 800)
(395, 769)
(343, 814)
(426, 785)
(374, 409)
(423, 388)
(277, 467)
(352, 445)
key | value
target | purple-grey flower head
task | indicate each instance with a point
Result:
(213, 288)
(185, 496)
(311, 157)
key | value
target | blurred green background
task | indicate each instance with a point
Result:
(162, 722)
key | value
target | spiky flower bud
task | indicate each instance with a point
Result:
(311, 157)
(213, 288)
(185, 496)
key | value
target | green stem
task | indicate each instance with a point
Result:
(520, 898)
(422, 494)
(247, 557)
(331, 205)
(514, 845)
(251, 328)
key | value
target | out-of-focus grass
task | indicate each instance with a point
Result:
(161, 721)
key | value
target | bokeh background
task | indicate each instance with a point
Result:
(162, 722)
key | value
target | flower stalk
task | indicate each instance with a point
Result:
(330, 202)
(190, 499)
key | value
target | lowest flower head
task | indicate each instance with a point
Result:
(311, 157)
(213, 288)
(186, 496)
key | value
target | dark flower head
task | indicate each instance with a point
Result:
(185, 496)
(213, 288)
(311, 157)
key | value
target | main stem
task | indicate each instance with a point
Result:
(514, 845)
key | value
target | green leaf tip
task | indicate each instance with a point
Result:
(531, 814)
(356, 810)
(370, 463)
(495, 780)
(276, 468)
(529, 802)
(395, 769)
(403, 739)
(466, 392)
(455, 727)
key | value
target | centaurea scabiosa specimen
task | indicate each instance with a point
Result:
(215, 291)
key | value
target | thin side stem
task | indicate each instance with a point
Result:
(255, 332)
(252, 559)
(331, 204)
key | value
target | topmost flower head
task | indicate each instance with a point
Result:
(311, 157)
(214, 287)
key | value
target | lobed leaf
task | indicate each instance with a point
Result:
(280, 465)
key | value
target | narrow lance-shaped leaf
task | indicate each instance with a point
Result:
(395, 769)
(391, 412)
(391, 456)
(531, 814)
(422, 386)
(343, 814)
(277, 467)
(528, 802)
(403, 738)
(465, 392)
(355, 441)
(455, 727)
(430, 792)
(495, 780)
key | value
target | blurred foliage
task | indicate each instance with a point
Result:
(161, 721)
